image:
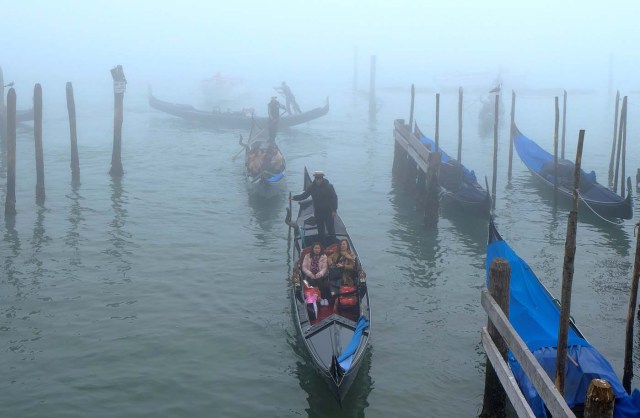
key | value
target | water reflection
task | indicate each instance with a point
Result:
(12, 240)
(38, 240)
(322, 402)
(612, 230)
(119, 236)
(72, 238)
(421, 265)
(269, 215)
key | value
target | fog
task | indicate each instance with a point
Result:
(545, 44)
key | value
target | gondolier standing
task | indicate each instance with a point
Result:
(290, 99)
(325, 205)
(274, 117)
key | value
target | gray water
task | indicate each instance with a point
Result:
(166, 293)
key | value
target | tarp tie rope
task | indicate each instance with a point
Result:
(597, 214)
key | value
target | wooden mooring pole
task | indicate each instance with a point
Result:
(494, 400)
(624, 150)
(512, 132)
(599, 401)
(555, 154)
(627, 376)
(460, 97)
(119, 87)
(75, 160)
(613, 143)
(37, 133)
(413, 98)
(567, 273)
(564, 123)
(623, 121)
(10, 201)
(3, 113)
(372, 90)
(495, 152)
(437, 134)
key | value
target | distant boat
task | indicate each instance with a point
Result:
(335, 339)
(264, 164)
(600, 199)
(535, 315)
(231, 119)
(458, 184)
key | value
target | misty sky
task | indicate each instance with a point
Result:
(567, 44)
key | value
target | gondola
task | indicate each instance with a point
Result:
(231, 119)
(597, 197)
(535, 315)
(458, 185)
(335, 336)
(264, 164)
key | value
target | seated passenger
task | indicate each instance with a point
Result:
(342, 267)
(273, 160)
(314, 267)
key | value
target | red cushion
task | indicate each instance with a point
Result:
(349, 300)
(331, 249)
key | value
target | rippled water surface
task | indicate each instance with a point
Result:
(165, 293)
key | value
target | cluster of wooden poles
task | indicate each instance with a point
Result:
(8, 128)
(422, 180)
(499, 336)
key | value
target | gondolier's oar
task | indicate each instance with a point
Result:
(290, 227)
(244, 147)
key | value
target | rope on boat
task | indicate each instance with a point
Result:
(597, 214)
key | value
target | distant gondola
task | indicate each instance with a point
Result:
(231, 119)
(458, 185)
(336, 339)
(535, 315)
(264, 164)
(597, 197)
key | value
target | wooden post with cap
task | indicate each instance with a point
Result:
(600, 400)
(494, 402)
(631, 313)
(119, 87)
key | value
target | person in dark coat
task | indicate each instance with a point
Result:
(325, 205)
(274, 117)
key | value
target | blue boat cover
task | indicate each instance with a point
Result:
(469, 175)
(275, 177)
(347, 354)
(535, 316)
(540, 161)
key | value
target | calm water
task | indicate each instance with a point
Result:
(166, 293)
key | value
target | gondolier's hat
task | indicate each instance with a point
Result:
(318, 174)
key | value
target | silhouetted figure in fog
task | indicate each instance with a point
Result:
(290, 99)
(274, 117)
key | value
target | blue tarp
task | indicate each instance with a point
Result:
(535, 317)
(275, 177)
(347, 354)
(469, 175)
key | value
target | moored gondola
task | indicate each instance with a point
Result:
(458, 185)
(231, 119)
(535, 315)
(336, 335)
(595, 196)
